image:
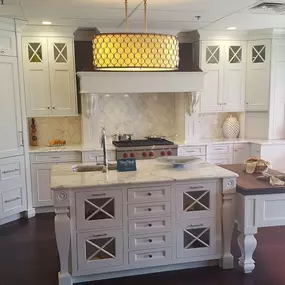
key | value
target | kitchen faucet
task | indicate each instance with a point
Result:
(103, 144)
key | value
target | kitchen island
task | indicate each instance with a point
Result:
(155, 219)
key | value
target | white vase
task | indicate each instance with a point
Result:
(231, 127)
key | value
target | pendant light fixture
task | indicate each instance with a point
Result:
(135, 51)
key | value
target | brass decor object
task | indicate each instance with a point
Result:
(135, 51)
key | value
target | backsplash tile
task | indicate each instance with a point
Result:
(138, 114)
(67, 128)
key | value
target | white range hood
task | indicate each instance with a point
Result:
(140, 82)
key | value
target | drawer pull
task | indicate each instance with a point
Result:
(218, 149)
(55, 157)
(149, 194)
(149, 209)
(98, 195)
(100, 235)
(11, 170)
(195, 226)
(196, 187)
(150, 225)
(150, 240)
(2, 51)
(12, 200)
(150, 255)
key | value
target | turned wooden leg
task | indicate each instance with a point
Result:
(228, 211)
(247, 245)
(62, 232)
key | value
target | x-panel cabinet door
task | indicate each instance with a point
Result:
(196, 237)
(197, 200)
(99, 209)
(100, 249)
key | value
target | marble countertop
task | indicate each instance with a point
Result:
(148, 171)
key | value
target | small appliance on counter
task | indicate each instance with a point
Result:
(145, 148)
(33, 133)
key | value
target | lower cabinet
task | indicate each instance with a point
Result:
(220, 159)
(100, 249)
(196, 238)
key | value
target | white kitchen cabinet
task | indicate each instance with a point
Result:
(220, 153)
(241, 152)
(258, 75)
(97, 156)
(220, 159)
(11, 123)
(212, 64)
(8, 43)
(255, 150)
(225, 65)
(49, 75)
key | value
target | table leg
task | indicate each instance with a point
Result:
(246, 219)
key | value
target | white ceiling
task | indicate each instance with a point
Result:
(170, 16)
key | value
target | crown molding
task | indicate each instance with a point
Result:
(48, 31)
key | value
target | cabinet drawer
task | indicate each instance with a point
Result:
(149, 225)
(7, 43)
(150, 257)
(192, 150)
(149, 240)
(220, 149)
(220, 158)
(97, 156)
(12, 199)
(196, 200)
(145, 194)
(99, 209)
(196, 237)
(100, 249)
(148, 209)
(10, 170)
(54, 157)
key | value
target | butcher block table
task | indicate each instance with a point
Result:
(258, 204)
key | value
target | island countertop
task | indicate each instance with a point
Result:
(148, 171)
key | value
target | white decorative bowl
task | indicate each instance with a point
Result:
(178, 161)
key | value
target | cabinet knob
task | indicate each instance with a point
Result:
(150, 255)
(48, 107)
(149, 209)
(220, 103)
(149, 194)
(150, 240)
(150, 225)
(53, 107)
(2, 51)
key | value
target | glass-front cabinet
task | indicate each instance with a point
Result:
(99, 209)
(196, 201)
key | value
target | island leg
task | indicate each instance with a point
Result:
(246, 220)
(228, 211)
(62, 232)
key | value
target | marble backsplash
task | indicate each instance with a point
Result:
(67, 128)
(138, 114)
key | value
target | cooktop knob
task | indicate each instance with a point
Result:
(126, 155)
(151, 153)
(144, 154)
(163, 153)
(133, 154)
(169, 152)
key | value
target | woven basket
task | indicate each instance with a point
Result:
(258, 166)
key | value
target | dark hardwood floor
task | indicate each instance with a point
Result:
(28, 256)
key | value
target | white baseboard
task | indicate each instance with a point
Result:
(30, 213)
(11, 218)
(141, 271)
(41, 210)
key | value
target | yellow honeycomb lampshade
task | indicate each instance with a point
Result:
(135, 52)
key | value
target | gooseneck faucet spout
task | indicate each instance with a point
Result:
(103, 144)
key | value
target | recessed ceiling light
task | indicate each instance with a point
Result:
(231, 28)
(46, 22)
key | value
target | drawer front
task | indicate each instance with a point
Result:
(97, 156)
(145, 194)
(220, 149)
(7, 43)
(220, 159)
(10, 171)
(196, 237)
(150, 240)
(99, 209)
(54, 157)
(12, 200)
(148, 209)
(149, 257)
(192, 150)
(196, 200)
(100, 249)
(149, 225)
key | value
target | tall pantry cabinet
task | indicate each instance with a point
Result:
(13, 196)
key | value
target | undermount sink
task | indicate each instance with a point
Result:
(92, 167)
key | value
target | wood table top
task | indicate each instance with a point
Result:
(247, 184)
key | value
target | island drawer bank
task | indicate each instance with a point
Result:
(155, 219)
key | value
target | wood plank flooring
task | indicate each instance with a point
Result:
(28, 256)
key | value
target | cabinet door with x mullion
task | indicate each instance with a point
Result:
(99, 209)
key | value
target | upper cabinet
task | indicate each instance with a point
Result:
(49, 75)
(258, 75)
(8, 43)
(225, 65)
